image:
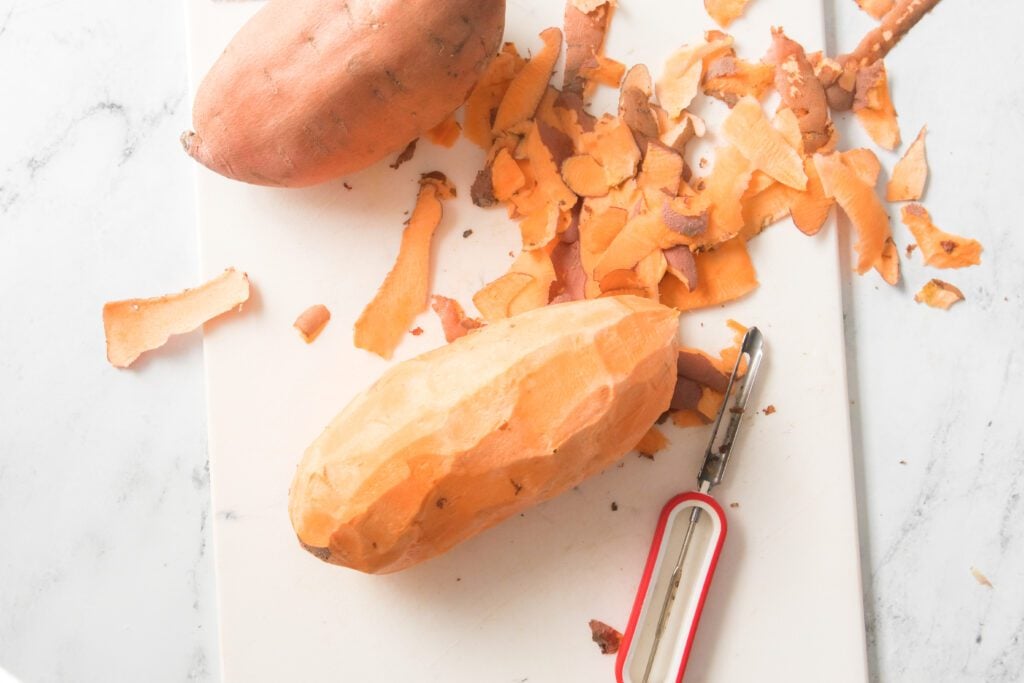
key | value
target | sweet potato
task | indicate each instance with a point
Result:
(309, 90)
(483, 101)
(519, 412)
(680, 80)
(312, 321)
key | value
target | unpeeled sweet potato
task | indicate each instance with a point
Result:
(309, 90)
(452, 442)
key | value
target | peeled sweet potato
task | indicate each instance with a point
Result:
(309, 90)
(454, 441)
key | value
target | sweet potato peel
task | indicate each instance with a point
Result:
(446, 133)
(454, 321)
(403, 294)
(609, 205)
(939, 249)
(723, 274)
(859, 202)
(939, 294)
(876, 8)
(312, 321)
(134, 326)
(873, 106)
(724, 12)
(525, 91)
(910, 173)
(748, 129)
(652, 442)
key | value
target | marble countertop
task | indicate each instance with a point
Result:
(105, 570)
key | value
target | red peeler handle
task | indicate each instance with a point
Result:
(637, 640)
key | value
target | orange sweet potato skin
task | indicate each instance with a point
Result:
(310, 90)
(452, 442)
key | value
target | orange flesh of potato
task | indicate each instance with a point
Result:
(612, 145)
(527, 408)
(288, 102)
(537, 264)
(494, 299)
(403, 294)
(454, 321)
(506, 176)
(873, 106)
(724, 187)
(939, 294)
(680, 80)
(483, 101)
(540, 227)
(312, 321)
(748, 129)
(723, 274)
(876, 8)
(810, 208)
(585, 176)
(134, 326)
(546, 172)
(939, 249)
(860, 203)
(765, 208)
(446, 133)
(641, 235)
(724, 12)
(529, 85)
(800, 90)
(652, 442)
(864, 164)
(599, 228)
(910, 173)
(660, 173)
(888, 264)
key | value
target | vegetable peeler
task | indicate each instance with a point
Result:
(687, 543)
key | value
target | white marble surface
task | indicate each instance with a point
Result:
(104, 567)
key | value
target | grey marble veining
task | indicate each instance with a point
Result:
(105, 572)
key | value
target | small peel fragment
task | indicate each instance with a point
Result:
(454, 320)
(724, 12)
(403, 294)
(134, 326)
(980, 578)
(312, 321)
(606, 637)
(939, 294)
(910, 173)
(876, 8)
(939, 249)
(652, 442)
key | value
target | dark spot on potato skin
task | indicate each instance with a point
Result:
(322, 553)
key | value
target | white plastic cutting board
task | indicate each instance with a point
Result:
(513, 603)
